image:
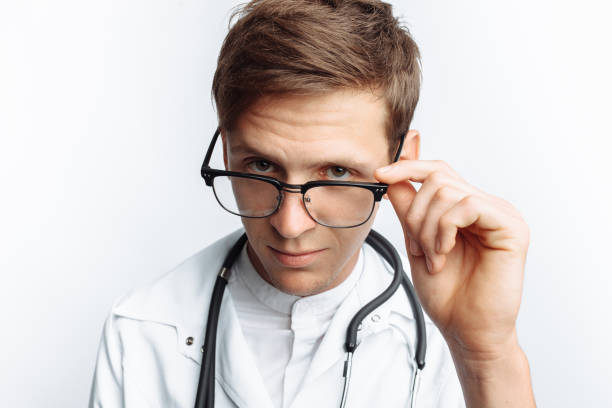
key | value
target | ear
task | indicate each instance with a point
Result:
(224, 145)
(412, 145)
(410, 149)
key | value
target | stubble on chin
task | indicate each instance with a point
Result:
(312, 288)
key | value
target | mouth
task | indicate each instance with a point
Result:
(295, 259)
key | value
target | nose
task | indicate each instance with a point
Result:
(291, 219)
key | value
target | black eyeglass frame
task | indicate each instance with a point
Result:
(209, 174)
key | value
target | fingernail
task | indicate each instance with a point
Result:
(428, 263)
(438, 245)
(384, 169)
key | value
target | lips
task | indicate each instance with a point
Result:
(295, 259)
(296, 253)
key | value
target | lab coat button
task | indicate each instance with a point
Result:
(375, 318)
(189, 341)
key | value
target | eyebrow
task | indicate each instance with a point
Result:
(344, 161)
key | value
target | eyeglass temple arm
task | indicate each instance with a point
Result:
(399, 149)
(211, 148)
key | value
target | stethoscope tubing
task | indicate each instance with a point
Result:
(387, 250)
(205, 395)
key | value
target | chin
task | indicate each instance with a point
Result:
(299, 284)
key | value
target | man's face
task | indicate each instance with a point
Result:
(337, 136)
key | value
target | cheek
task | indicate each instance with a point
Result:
(256, 232)
(349, 240)
(254, 226)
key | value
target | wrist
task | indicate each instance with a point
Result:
(488, 364)
(494, 376)
(485, 353)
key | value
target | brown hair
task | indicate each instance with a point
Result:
(317, 46)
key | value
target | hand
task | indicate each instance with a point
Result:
(471, 284)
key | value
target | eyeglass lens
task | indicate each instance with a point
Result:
(334, 206)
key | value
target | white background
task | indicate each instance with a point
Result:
(105, 112)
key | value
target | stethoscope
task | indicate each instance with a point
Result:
(205, 397)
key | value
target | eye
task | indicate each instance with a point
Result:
(338, 173)
(261, 166)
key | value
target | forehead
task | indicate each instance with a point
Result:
(340, 123)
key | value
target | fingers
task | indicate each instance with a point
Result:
(420, 211)
(429, 233)
(499, 229)
(443, 204)
(438, 188)
(451, 209)
(413, 170)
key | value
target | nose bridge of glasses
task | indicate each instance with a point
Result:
(291, 188)
(288, 188)
(283, 201)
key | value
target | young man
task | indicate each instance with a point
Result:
(326, 90)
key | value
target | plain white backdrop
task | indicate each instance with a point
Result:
(105, 112)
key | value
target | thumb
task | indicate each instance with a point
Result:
(401, 195)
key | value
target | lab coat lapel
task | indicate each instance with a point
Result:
(181, 299)
(236, 369)
(331, 348)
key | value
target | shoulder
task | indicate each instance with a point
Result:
(172, 297)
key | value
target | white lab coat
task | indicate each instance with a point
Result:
(146, 360)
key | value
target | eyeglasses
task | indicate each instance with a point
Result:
(335, 204)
